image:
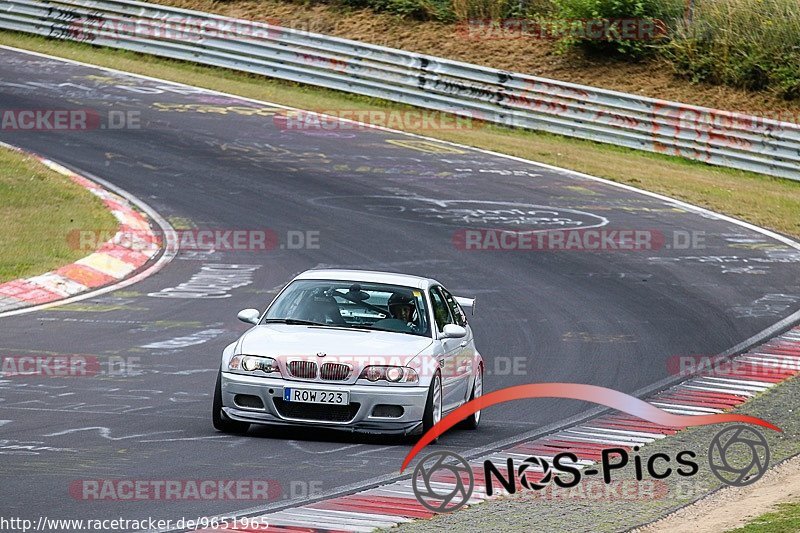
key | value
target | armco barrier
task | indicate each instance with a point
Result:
(716, 137)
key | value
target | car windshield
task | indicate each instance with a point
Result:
(352, 304)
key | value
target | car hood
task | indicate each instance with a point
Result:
(283, 340)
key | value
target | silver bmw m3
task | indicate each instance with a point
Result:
(363, 351)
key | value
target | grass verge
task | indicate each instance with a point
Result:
(769, 202)
(785, 519)
(38, 209)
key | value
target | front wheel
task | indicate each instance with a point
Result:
(433, 407)
(474, 419)
(220, 419)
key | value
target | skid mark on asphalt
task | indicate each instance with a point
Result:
(190, 372)
(459, 213)
(189, 340)
(213, 281)
(373, 450)
(183, 439)
(20, 447)
(767, 305)
(105, 432)
(295, 444)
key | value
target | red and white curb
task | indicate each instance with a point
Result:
(112, 261)
(389, 505)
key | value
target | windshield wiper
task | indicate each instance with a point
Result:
(298, 322)
(373, 328)
(294, 322)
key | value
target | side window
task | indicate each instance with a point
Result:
(455, 309)
(440, 311)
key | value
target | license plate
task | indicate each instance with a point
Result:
(316, 396)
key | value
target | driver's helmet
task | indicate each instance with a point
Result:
(398, 302)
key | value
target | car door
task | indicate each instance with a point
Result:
(451, 348)
(465, 356)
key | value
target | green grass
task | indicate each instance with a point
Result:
(751, 44)
(785, 519)
(38, 209)
(769, 202)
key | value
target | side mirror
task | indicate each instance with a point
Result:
(466, 302)
(249, 315)
(453, 331)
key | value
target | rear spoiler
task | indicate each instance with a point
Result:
(466, 302)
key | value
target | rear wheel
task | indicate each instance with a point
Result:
(474, 419)
(219, 418)
(433, 407)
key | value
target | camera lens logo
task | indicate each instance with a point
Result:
(738, 455)
(443, 482)
(535, 464)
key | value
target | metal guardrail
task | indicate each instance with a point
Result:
(712, 136)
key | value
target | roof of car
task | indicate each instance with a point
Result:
(369, 276)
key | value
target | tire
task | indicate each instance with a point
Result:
(433, 412)
(220, 419)
(474, 419)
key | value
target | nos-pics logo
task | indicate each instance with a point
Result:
(444, 481)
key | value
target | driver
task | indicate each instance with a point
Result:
(402, 307)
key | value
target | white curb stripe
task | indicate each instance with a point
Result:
(746, 382)
(57, 284)
(719, 389)
(733, 386)
(688, 407)
(592, 440)
(632, 439)
(632, 433)
(284, 520)
(357, 516)
(337, 518)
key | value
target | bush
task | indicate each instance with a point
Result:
(440, 10)
(661, 14)
(495, 9)
(453, 10)
(751, 44)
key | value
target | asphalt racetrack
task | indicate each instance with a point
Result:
(367, 199)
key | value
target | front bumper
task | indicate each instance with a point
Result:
(360, 419)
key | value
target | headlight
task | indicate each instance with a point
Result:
(393, 374)
(252, 363)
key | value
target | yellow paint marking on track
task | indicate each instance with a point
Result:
(585, 336)
(582, 190)
(758, 246)
(426, 146)
(97, 308)
(218, 109)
